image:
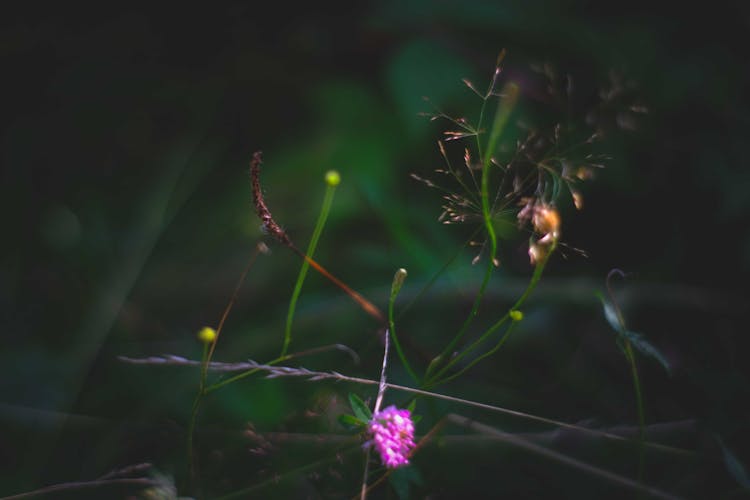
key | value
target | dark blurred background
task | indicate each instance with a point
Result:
(126, 209)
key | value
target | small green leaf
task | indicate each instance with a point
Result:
(645, 347)
(360, 409)
(402, 478)
(556, 186)
(637, 340)
(350, 421)
(412, 405)
(432, 366)
(610, 314)
(735, 467)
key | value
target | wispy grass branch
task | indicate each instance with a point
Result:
(275, 371)
(505, 108)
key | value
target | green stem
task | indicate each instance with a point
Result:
(322, 217)
(486, 98)
(273, 482)
(481, 357)
(479, 128)
(465, 326)
(190, 432)
(398, 282)
(208, 351)
(219, 385)
(438, 274)
(286, 357)
(538, 271)
(505, 107)
(630, 354)
(194, 412)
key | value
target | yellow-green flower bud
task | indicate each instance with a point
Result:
(333, 178)
(207, 335)
(516, 315)
(398, 281)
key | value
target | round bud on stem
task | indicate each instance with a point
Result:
(333, 178)
(207, 335)
(515, 315)
(399, 277)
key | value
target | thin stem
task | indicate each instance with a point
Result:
(259, 248)
(219, 385)
(208, 352)
(560, 458)
(194, 413)
(641, 413)
(630, 356)
(398, 281)
(538, 271)
(275, 480)
(439, 273)
(492, 351)
(307, 352)
(141, 482)
(284, 371)
(382, 385)
(456, 175)
(273, 229)
(365, 304)
(505, 107)
(364, 489)
(479, 127)
(322, 217)
(381, 392)
(485, 99)
(465, 326)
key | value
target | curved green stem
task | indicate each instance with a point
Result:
(538, 271)
(479, 127)
(481, 357)
(505, 107)
(194, 412)
(465, 326)
(630, 354)
(433, 279)
(322, 217)
(208, 351)
(398, 282)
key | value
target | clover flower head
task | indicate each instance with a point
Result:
(392, 433)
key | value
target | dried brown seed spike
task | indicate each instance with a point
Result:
(269, 225)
